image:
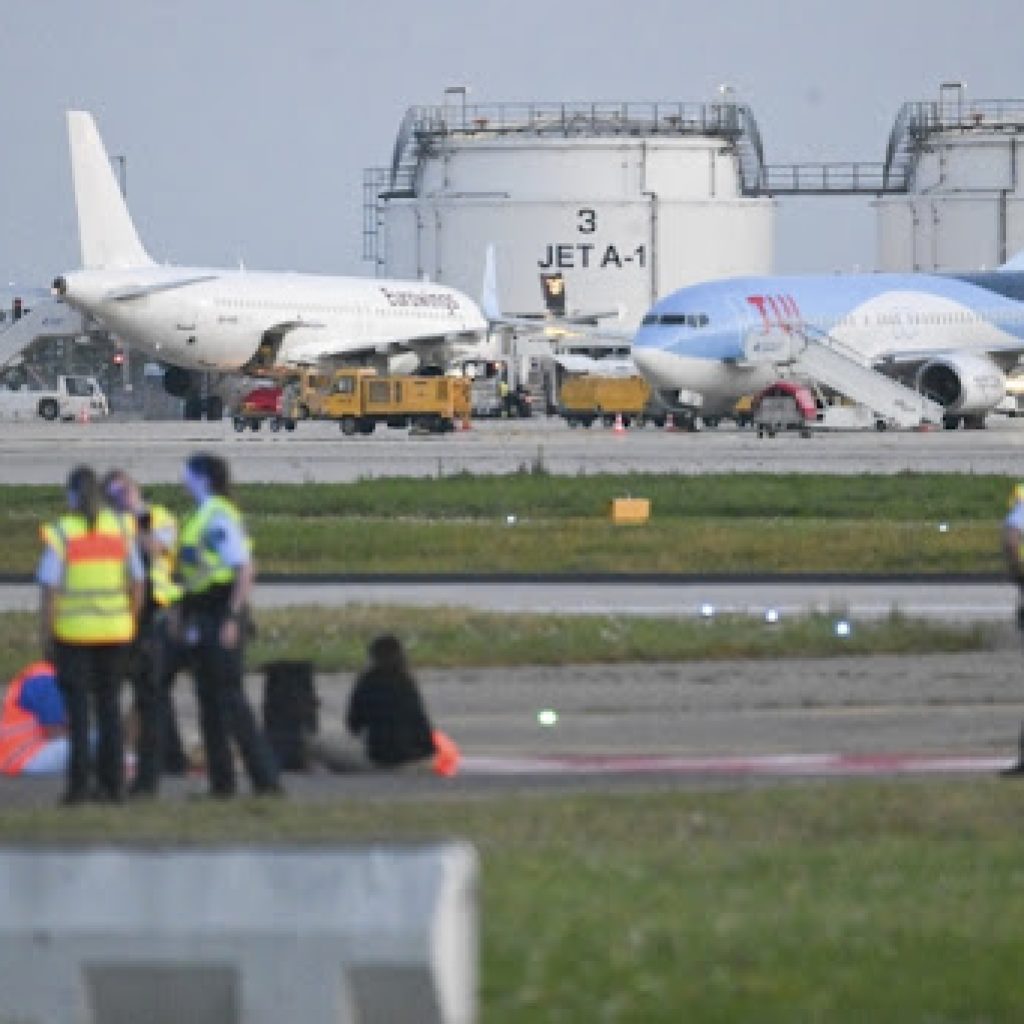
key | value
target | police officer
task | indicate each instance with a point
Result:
(1013, 552)
(153, 659)
(215, 568)
(90, 576)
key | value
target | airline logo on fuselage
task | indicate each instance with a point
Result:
(777, 312)
(401, 299)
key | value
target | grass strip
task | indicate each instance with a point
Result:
(323, 545)
(724, 523)
(336, 639)
(880, 901)
(901, 496)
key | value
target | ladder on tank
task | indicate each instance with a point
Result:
(842, 369)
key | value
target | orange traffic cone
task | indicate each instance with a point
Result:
(670, 422)
(83, 415)
(620, 427)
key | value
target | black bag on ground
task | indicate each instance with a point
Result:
(289, 711)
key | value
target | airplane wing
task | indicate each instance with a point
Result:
(1005, 356)
(307, 344)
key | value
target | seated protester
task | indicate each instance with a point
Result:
(386, 714)
(33, 724)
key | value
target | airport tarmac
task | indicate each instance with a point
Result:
(677, 725)
(628, 725)
(37, 452)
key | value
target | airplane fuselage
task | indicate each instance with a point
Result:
(703, 339)
(218, 319)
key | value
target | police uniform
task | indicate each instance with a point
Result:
(153, 662)
(91, 572)
(212, 548)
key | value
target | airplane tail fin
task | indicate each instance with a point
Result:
(490, 303)
(1015, 263)
(106, 233)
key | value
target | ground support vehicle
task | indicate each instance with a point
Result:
(359, 399)
(586, 399)
(73, 398)
(259, 405)
(488, 398)
(784, 405)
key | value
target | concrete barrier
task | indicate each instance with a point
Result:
(116, 935)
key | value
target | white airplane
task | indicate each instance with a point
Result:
(951, 337)
(232, 322)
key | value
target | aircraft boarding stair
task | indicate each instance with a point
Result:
(47, 319)
(842, 369)
(838, 367)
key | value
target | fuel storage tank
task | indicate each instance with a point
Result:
(627, 201)
(958, 163)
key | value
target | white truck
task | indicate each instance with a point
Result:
(73, 398)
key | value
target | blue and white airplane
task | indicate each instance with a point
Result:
(954, 338)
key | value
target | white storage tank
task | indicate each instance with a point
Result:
(626, 201)
(962, 161)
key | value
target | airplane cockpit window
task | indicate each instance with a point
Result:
(677, 319)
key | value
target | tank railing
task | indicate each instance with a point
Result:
(580, 118)
(423, 126)
(917, 120)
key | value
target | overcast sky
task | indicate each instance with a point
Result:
(246, 125)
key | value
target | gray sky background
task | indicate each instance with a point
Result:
(246, 125)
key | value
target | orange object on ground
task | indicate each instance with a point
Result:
(21, 735)
(446, 754)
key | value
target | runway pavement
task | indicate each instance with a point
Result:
(961, 602)
(638, 726)
(37, 452)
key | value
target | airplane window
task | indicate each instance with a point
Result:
(703, 320)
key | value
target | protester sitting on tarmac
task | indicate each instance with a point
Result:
(33, 724)
(387, 720)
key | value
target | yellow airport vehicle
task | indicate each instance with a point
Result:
(587, 398)
(359, 399)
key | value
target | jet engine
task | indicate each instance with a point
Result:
(964, 385)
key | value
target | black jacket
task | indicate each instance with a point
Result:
(387, 710)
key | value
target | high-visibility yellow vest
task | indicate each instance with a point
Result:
(93, 602)
(199, 565)
(161, 567)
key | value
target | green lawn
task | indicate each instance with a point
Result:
(707, 524)
(896, 902)
(336, 639)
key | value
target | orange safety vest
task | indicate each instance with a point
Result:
(93, 603)
(21, 735)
